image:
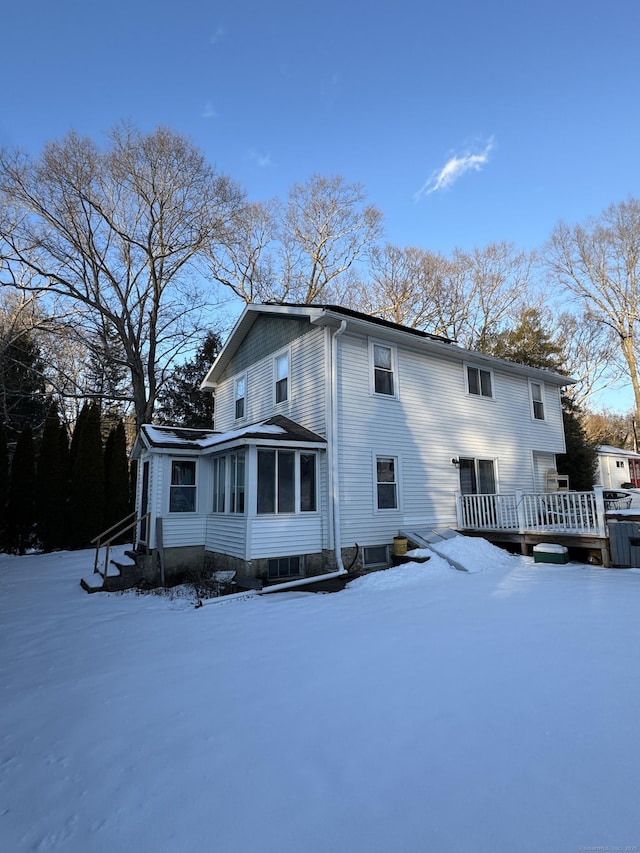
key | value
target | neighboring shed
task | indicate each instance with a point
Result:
(617, 468)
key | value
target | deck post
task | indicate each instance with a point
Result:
(601, 513)
(522, 521)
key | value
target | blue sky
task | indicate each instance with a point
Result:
(466, 123)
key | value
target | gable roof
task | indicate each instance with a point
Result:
(332, 316)
(180, 439)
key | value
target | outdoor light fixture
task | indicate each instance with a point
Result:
(455, 462)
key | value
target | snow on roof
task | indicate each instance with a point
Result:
(608, 449)
(202, 439)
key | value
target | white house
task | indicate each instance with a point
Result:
(617, 468)
(333, 431)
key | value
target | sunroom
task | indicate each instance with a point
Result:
(251, 500)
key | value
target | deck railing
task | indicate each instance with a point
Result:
(577, 513)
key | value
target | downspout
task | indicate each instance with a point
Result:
(333, 445)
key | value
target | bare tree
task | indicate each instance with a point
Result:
(116, 234)
(589, 354)
(296, 251)
(599, 263)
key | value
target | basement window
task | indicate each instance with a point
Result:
(284, 567)
(375, 555)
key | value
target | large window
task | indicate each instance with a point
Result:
(182, 492)
(240, 397)
(236, 473)
(537, 400)
(219, 484)
(282, 378)
(286, 481)
(383, 378)
(479, 381)
(477, 477)
(386, 482)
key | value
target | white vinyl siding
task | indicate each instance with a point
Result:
(306, 402)
(436, 421)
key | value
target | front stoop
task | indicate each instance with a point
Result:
(119, 576)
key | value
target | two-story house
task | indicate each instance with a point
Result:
(333, 431)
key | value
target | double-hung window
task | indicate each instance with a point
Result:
(286, 481)
(240, 396)
(479, 381)
(537, 400)
(182, 491)
(282, 377)
(383, 370)
(386, 482)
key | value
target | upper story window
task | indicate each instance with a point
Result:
(383, 359)
(240, 396)
(386, 482)
(282, 377)
(182, 492)
(479, 381)
(537, 400)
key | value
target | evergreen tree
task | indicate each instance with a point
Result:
(181, 402)
(116, 478)
(22, 389)
(581, 459)
(51, 489)
(20, 508)
(86, 498)
(4, 485)
(65, 476)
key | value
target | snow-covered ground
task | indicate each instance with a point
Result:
(421, 709)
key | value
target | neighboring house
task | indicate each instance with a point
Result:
(617, 468)
(334, 431)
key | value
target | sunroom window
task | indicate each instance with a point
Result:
(286, 481)
(182, 492)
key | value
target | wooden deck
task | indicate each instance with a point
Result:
(575, 519)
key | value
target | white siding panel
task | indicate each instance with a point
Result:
(306, 404)
(286, 535)
(227, 534)
(431, 421)
(180, 529)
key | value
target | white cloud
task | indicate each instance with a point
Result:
(454, 168)
(263, 160)
(219, 34)
(209, 111)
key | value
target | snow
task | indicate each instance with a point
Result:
(165, 436)
(420, 709)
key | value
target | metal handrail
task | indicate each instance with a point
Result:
(120, 527)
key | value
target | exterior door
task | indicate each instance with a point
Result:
(144, 503)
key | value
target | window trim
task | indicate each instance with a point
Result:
(373, 343)
(237, 399)
(396, 482)
(177, 460)
(541, 402)
(480, 370)
(276, 359)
